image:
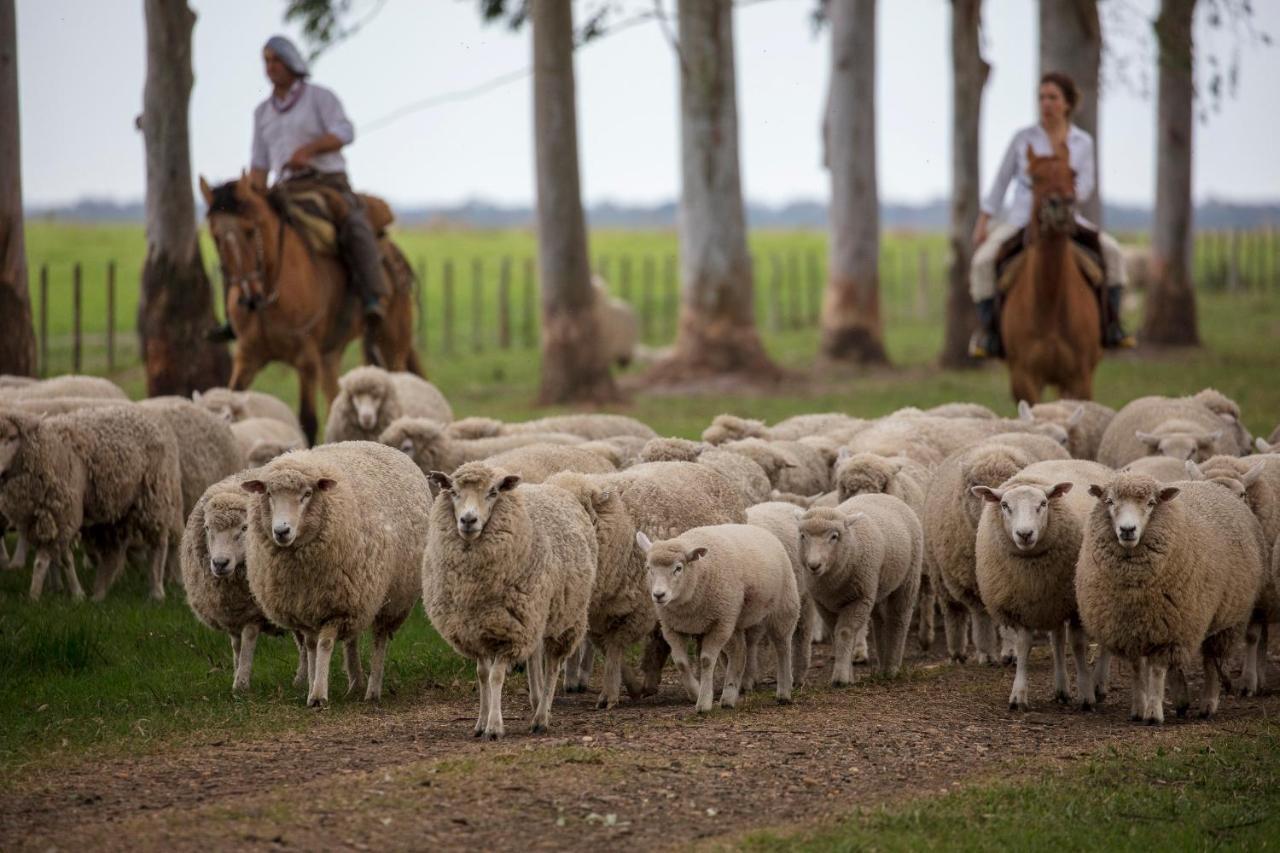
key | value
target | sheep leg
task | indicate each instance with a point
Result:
(235, 652)
(925, 606)
(737, 652)
(985, 635)
(302, 675)
(575, 665)
(1007, 650)
(802, 643)
(861, 654)
(680, 654)
(325, 640)
(1181, 693)
(781, 640)
(534, 677)
(377, 665)
(1058, 645)
(497, 675)
(1084, 673)
(351, 666)
(482, 682)
(656, 651)
(54, 578)
(896, 622)
(849, 624)
(1138, 700)
(38, 572)
(547, 692)
(1263, 639)
(1252, 638)
(110, 565)
(751, 669)
(309, 641)
(611, 678)
(19, 558)
(244, 658)
(1102, 673)
(713, 643)
(956, 628)
(1018, 696)
(159, 555)
(70, 576)
(4, 550)
(1157, 669)
(1212, 688)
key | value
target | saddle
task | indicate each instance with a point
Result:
(1084, 247)
(316, 212)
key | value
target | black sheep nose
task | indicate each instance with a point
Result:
(220, 564)
(468, 521)
(1025, 535)
(282, 531)
(1128, 531)
(659, 597)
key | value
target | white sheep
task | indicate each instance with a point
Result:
(371, 398)
(269, 437)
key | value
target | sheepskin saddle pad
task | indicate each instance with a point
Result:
(315, 211)
(1084, 246)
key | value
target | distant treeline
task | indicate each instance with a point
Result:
(931, 216)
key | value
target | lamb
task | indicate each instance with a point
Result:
(507, 577)
(726, 428)
(429, 444)
(792, 466)
(864, 559)
(207, 448)
(266, 437)
(1166, 469)
(592, 427)
(780, 519)
(215, 579)
(534, 463)
(744, 472)
(334, 548)
(1163, 571)
(110, 475)
(1180, 427)
(617, 324)
(664, 499)
(1084, 421)
(1027, 546)
(235, 406)
(722, 585)
(951, 514)
(70, 385)
(370, 398)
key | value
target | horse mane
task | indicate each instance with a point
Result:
(225, 200)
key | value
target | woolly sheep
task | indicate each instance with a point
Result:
(207, 448)
(904, 436)
(780, 519)
(9, 380)
(110, 475)
(335, 546)
(744, 472)
(507, 577)
(1238, 440)
(950, 520)
(258, 437)
(1164, 571)
(215, 578)
(962, 410)
(70, 385)
(534, 463)
(370, 398)
(618, 325)
(792, 466)
(864, 561)
(1166, 469)
(592, 427)
(429, 444)
(725, 428)
(234, 406)
(721, 585)
(806, 501)
(1084, 421)
(665, 499)
(1026, 549)
(1179, 427)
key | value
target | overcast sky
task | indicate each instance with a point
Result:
(81, 68)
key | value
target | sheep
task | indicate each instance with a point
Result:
(664, 499)
(961, 410)
(864, 560)
(1238, 440)
(744, 472)
(1084, 421)
(798, 466)
(258, 437)
(334, 548)
(806, 501)
(779, 518)
(234, 406)
(722, 585)
(207, 448)
(1166, 469)
(1180, 427)
(370, 398)
(725, 428)
(70, 385)
(617, 324)
(950, 518)
(215, 579)
(905, 436)
(110, 475)
(534, 463)
(592, 427)
(1026, 549)
(10, 380)
(1164, 570)
(428, 443)
(507, 577)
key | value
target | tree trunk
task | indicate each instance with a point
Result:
(1171, 301)
(717, 332)
(175, 307)
(851, 326)
(574, 361)
(1071, 42)
(17, 337)
(968, 78)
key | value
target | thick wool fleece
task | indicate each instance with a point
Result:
(534, 463)
(945, 436)
(741, 470)
(525, 581)
(70, 385)
(356, 560)
(1262, 494)
(432, 447)
(1166, 469)
(870, 473)
(779, 518)
(401, 394)
(592, 427)
(254, 433)
(1120, 445)
(1238, 439)
(1084, 436)
(962, 410)
(1035, 589)
(1192, 579)
(207, 448)
(241, 405)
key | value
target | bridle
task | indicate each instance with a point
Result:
(255, 290)
(1056, 213)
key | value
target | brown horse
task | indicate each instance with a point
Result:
(1049, 320)
(289, 303)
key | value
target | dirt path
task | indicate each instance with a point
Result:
(642, 776)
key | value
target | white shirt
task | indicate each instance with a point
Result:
(278, 133)
(1014, 168)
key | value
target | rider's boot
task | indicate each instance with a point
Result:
(985, 342)
(1114, 336)
(220, 334)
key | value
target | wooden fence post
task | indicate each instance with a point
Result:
(111, 316)
(477, 305)
(794, 289)
(75, 318)
(624, 277)
(775, 294)
(447, 296)
(646, 298)
(44, 319)
(671, 307)
(528, 303)
(815, 288)
(504, 304)
(922, 287)
(1233, 261)
(420, 304)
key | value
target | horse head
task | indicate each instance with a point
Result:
(237, 213)
(1053, 188)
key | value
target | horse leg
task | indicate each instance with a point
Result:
(330, 367)
(307, 370)
(243, 370)
(1024, 387)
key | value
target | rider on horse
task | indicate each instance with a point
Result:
(298, 134)
(1058, 98)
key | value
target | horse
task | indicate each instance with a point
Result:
(287, 302)
(1050, 318)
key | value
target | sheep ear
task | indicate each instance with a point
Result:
(1024, 411)
(643, 542)
(324, 484)
(255, 487)
(857, 516)
(1096, 490)
(1210, 439)
(1193, 470)
(1168, 494)
(1228, 417)
(1060, 489)
(441, 481)
(1251, 476)
(987, 494)
(1147, 438)
(1263, 446)
(845, 453)
(1076, 417)
(696, 554)
(509, 482)
(406, 446)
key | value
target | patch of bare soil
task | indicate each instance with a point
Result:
(651, 774)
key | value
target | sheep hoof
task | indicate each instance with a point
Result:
(959, 657)
(239, 688)
(1135, 718)
(1152, 721)
(316, 702)
(1246, 692)
(1086, 706)
(1008, 660)
(839, 682)
(784, 700)
(479, 732)
(1062, 698)
(603, 704)
(538, 729)
(492, 735)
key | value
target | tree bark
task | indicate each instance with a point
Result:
(717, 332)
(969, 73)
(17, 336)
(1171, 302)
(175, 307)
(852, 329)
(575, 365)
(1071, 42)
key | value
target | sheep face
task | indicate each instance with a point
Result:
(473, 493)
(10, 441)
(286, 498)
(1024, 511)
(367, 405)
(1179, 443)
(225, 404)
(671, 567)
(863, 473)
(823, 533)
(1130, 500)
(226, 520)
(421, 441)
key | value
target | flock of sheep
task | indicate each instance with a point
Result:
(1149, 531)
